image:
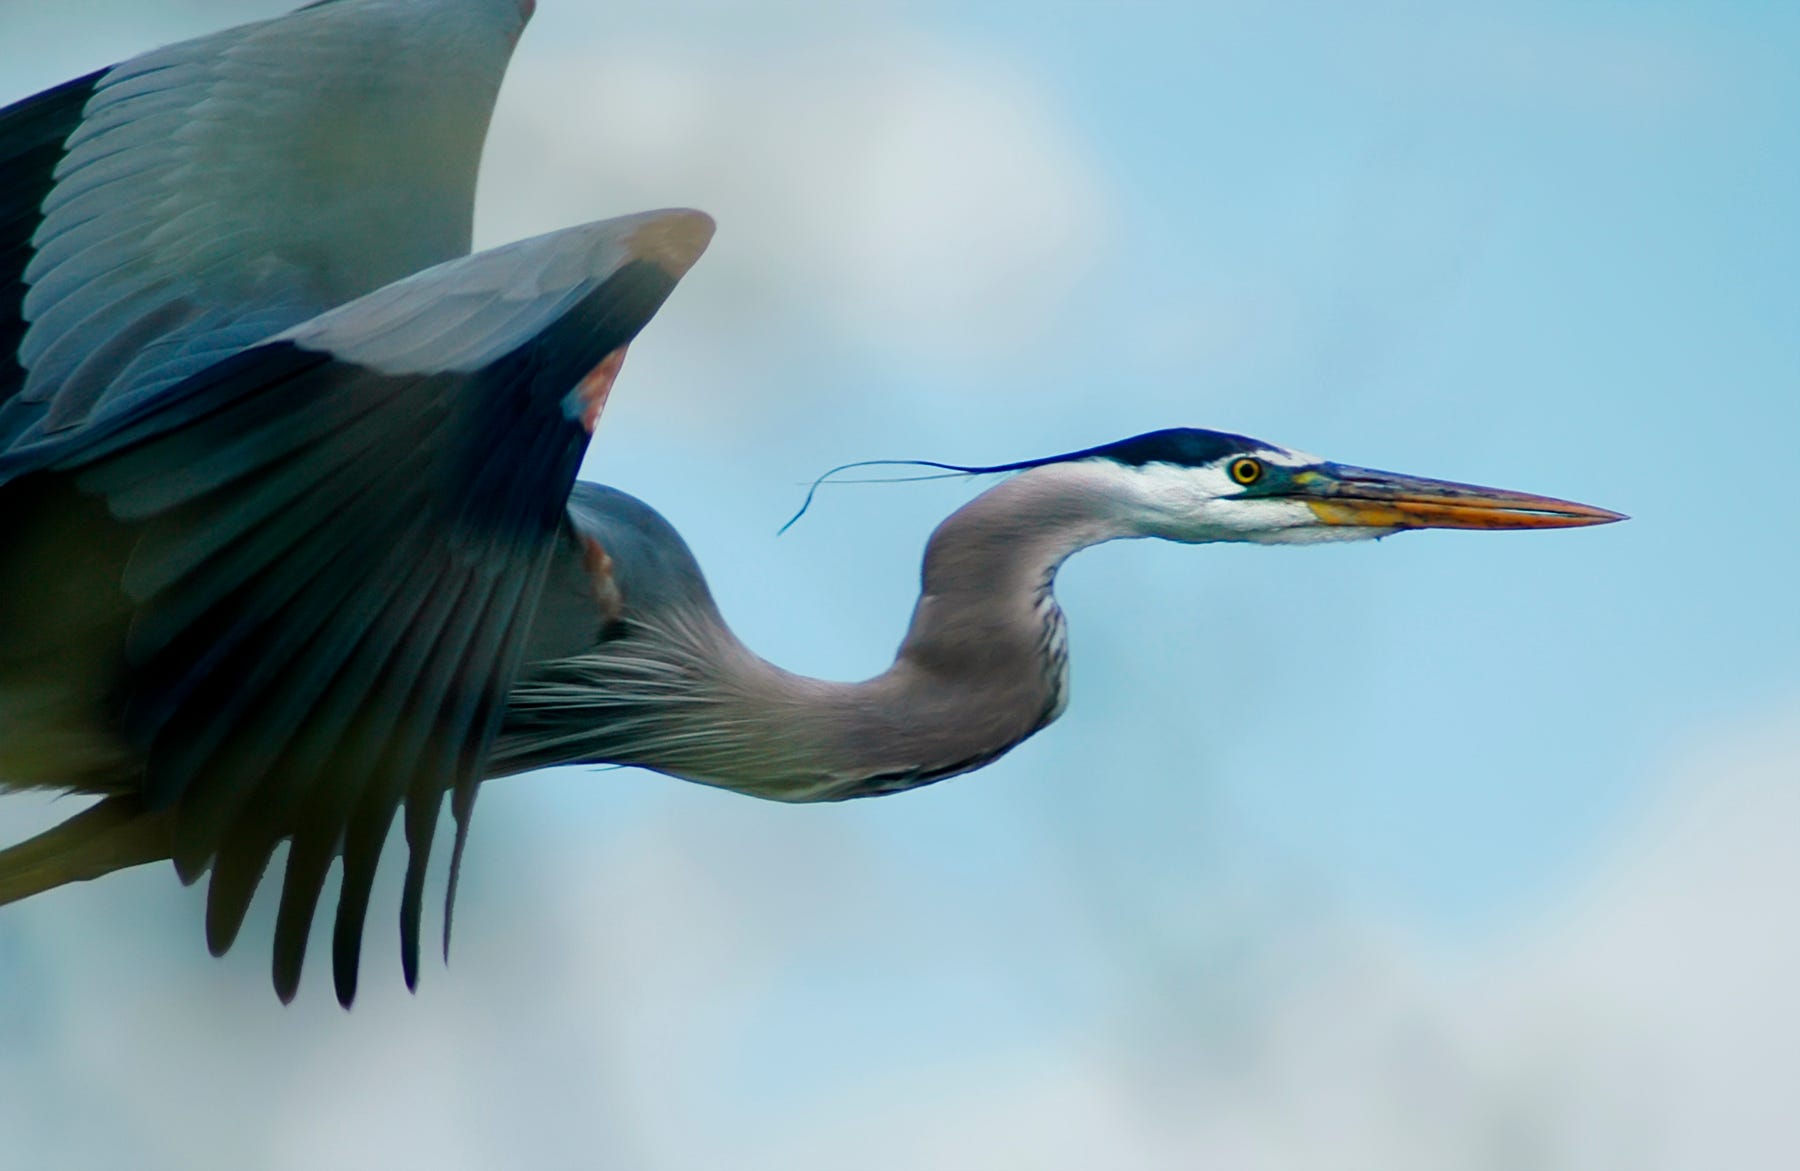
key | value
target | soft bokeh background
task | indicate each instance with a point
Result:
(1462, 851)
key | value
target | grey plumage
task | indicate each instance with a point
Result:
(291, 548)
(308, 572)
(199, 198)
(667, 685)
(280, 491)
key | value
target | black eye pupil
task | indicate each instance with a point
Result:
(1246, 471)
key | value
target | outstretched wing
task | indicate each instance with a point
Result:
(292, 591)
(160, 215)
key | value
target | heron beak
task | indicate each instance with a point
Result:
(1341, 495)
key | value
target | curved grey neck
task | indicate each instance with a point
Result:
(983, 666)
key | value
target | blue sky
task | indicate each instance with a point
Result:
(1312, 813)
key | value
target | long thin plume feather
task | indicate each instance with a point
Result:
(950, 471)
(1158, 439)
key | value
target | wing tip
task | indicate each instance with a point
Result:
(673, 239)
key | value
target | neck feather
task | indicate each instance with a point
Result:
(983, 666)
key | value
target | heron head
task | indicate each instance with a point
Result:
(1191, 485)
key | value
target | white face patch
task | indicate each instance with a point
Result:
(1283, 458)
(1203, 503)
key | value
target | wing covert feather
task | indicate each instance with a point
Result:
(31, 138)
(196, 199)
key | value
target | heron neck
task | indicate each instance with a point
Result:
(983, 666)
(989, 568)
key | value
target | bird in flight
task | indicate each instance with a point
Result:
(293, 544)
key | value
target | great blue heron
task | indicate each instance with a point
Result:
(277, 570)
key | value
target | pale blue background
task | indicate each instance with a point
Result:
(1459, 851)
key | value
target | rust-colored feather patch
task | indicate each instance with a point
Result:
(600, 573)
(596, 388)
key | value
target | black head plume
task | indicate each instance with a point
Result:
(1181, 446)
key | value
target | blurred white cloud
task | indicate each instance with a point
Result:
(890, 189)
(625, 1009)
(1647, 1023)
(1663, 999)
(876, 182)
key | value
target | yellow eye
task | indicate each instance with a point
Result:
(1246, 471)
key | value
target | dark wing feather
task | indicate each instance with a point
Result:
(329, 578)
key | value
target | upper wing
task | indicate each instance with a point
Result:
(293, 590)
(159, 215)
(31, 143)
